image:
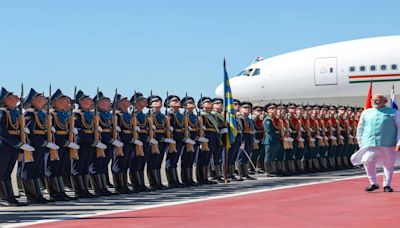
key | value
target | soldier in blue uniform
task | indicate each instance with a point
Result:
(35, 120)
(272, 139)
(176, 127)
(56, 169)
(10, 145)
(246, 148)
(191, 148)
(143, 129)
(156, 158)
(258, 153)
(216, 167)
(121, 163)
(99, 165)
(235, 147)
(211, 130)
(80, 169)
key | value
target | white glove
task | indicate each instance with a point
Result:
(350, 136)
(301, 140)
(170, 141)
(340, 129)
(290, 139)
(27, 131)
(242, 146)
(99, 129)
(101, 146)
(154, 127)
(286, 139)
(301, 129)
(137, 128)
(52, 146)
(332, 128)
(138, 142)
(204, 127)
(118, 143)
(190, 128)
(312, 140)
(171, 128)
(319, 137)
(333, 138)
(341, 137)
(326, 129)
(73, 145)
(53, 130)
(203, 140)
(75, 131)
(223, 131)
(153, 141)
(190, 141)
(27, 147)
(321, 129)
(256, 141)
(350, 128)
(290, 130)
(117, 128)
(326, 138)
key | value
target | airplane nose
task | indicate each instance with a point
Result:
(219, 91)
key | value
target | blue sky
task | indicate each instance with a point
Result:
(171, 45)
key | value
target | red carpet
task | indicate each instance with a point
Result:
(336, 204)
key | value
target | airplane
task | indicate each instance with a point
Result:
(336, 74)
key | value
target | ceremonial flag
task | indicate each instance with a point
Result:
(393, 99)
(229, 111)
(368, 103)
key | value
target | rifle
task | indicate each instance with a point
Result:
(117, 150)
(189, 147)
(53, 152)
(96, 121)
(27, 154)
(204, 145)
(172, 147)
(153, 147)
(138, 148)
(73, 153)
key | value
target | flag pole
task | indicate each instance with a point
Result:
(227, 135)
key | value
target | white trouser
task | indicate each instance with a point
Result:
(386, 157)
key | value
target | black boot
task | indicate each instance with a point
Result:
(317, 166)
(117, 184)
(38, 190)
(218, 172)
(79, 188)
(53, 189)
(106, 192)
(95, 181)
(152, 177)
(135, 181)
(125, 182)
(189, 174)
(61, 187)
(108, 182)
(141, 178)
(184, 177)
(7, 195)
(200, 175)
(159, 180)
(86, 181)
(241, 172)
(247, 173)
(205, 173)
(171, 178)
(30, 192)
(176, 178)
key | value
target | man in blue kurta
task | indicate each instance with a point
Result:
(378, 134)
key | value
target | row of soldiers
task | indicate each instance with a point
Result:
(74, 141)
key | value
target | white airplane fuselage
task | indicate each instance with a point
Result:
(338, 73)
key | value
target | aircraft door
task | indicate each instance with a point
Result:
(325, 71)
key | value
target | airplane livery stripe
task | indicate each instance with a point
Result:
(374, 76)
(379, 80)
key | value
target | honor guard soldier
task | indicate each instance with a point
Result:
(35, 120)
(165, 143)
(99, 165)
(120, 163)
(176, 122)
(11, 144)
(343, 129)
(64, 136)
(315, 140)
(191, 134)
(246, 148)
(272, 140)
(143, 128)
(235, 147)
(217, 157)
(295, 132)
(286, 153)
(209, 124)
(302, 143)
(258, 152)
(80, 169)
(323, 123)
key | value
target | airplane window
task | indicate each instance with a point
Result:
(241, 73)
(383, 67)
(372, 68)
(362, 68)
(256, 72)
(248, 73)
(352, 69)
(394, 67)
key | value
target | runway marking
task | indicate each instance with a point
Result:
(228, 195)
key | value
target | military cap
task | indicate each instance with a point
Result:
(186, 100)
(332, 107)
(32, 94)
(316, 107)
(246, 104)
(217, 100)
(56, 95)
(271, 105)
(257, 108)
(80, 96)
(291, 105)
(153, 98)
(171, 98)
(4, 93)
(137, 97)
(100, 97)
(203, 100)
(236, 101)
